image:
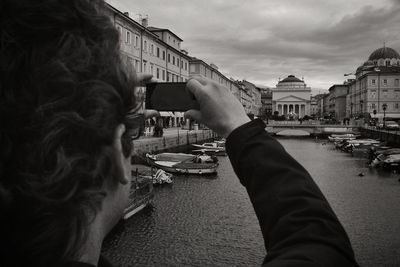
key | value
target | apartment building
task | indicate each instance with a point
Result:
(255, 105)
(198, 67)
(266, 102)
(338, 94)
(152, 50)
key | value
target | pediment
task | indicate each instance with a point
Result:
(291, 98)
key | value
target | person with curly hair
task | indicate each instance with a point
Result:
(65, 136)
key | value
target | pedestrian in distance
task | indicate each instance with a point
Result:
(68, 113)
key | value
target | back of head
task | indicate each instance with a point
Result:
(62, 94)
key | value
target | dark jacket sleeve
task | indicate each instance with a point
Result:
(298, 225)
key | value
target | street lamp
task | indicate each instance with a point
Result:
(351, 110)
(384, 106)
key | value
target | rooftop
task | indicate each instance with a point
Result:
(384, 53)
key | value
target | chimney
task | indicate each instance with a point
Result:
(126, 14)
(145, 21)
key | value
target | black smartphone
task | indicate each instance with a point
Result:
(169, 97)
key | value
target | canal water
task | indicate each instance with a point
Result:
(209, 221)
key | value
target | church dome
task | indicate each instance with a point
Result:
(291, 79)
(384, 53)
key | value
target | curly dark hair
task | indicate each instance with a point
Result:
(63, 91)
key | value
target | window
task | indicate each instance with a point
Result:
(167, 76)
(373, 106)
(387, 62)
(373, 82)
(151, 68)
(128, 37)
(396, 93)
(396, 82)
(177, 62)
(163, 75)
(144, 65)
(384, 81)
(145, 46)
(136, 41)
(396, 105)
(163, 55)
(385, 93)
(158, 52)
(137, 65)
(173, 60)
(185, 65)
(158, 73)
(169, 58)
(119, 28)
(152, 49)
(373, 94)
(181, 64)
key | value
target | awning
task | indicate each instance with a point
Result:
(164, 114)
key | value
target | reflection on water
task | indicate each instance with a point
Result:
(209, 221)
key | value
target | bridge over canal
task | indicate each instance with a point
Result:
(310, 129)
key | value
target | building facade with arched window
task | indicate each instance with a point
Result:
(291, 97)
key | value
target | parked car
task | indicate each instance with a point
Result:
(392, 125)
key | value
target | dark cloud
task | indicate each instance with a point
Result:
(264, 40)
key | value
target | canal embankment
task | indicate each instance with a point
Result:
(172, 139)
(392, 138)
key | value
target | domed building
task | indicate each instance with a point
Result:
(291, 97)
(375, 91)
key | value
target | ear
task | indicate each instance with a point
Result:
(123, 164)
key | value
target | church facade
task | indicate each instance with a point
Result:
(291, 97)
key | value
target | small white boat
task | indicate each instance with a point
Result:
(217, 146)
(162, 177)
(183, 163)
(340, 137)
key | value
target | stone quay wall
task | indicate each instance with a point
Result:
(171, 141)
(390, 137)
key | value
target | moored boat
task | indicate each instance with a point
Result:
(141, 195)
(340, 137)
(161, 177)
(183, 163)
(391, 161)
(218, 146)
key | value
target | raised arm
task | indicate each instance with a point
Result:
(298, 225)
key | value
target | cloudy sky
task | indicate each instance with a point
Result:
(264, 40)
